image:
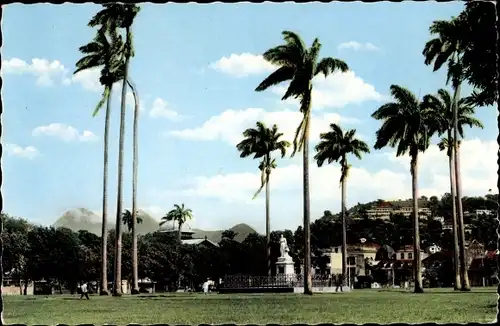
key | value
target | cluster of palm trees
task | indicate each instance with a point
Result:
(110, 53)
(408, 124)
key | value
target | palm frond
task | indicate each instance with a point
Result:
(327, 66)
(282, 74)
(104, 98)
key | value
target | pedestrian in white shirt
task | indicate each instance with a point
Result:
(85, 290)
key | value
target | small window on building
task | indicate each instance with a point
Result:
(402, 255)
(410, 255)
(351, 260)
(336, 250)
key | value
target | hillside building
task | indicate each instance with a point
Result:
(187, 234)
(383, 210)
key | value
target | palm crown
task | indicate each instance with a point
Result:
(179, 214)
(100, 52)
(127, 219)
(335, 145)
(446, 47)
(299, 65)
(407, 124)
(261, 142)
(442, 105)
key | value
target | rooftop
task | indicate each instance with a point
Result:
(171, 226)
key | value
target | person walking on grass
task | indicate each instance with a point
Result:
(338, 281)
(206, 285)
(85, 291)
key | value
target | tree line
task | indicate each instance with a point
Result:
(64, 257)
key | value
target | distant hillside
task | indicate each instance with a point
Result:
(84, 219)
(242, 230)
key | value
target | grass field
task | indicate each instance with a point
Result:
(361, 306)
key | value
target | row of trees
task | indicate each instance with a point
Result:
(408, 123)
(64, 257)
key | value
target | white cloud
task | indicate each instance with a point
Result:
(356, 46)
(242, 65)
(88, 79)
(390, 182)
(46, 72)
(28, 152)
(87, 136)
(478, 161)
(337, 91)
(160, 110)
(155, 211)
(229, 125)
(64, 132)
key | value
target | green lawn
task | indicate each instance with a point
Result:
(359, 306)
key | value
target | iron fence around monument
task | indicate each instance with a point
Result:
(278, 281)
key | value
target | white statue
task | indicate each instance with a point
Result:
(283, 247)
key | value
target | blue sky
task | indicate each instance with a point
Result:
(196, 68)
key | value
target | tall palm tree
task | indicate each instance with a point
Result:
(110, 18)
(449, 47)
(128, 219)
(179, 214)
(135, 163)
(261, 142)
(334, 146)
(102, 53)
(442, 105)
(300, 65)
(408, 126)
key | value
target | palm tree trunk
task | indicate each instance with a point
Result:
(268, 222)
(344, 232)
(104, 229)
(461, 233)
(307, 218)
(456, 257)
(417, 262)
(135, 274)
(179, 232)
(117, 289)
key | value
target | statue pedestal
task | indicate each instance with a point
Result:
(284, 266)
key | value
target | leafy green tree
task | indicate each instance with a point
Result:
(261, 142)
(179, 214)
(228, 235)
(128, 219)
(111, 18)
(335, 146)
(443, 106)
(300, 65)
(479, 34)
(2, 321)
(15, 247)
(407, 125)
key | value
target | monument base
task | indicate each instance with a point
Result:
(285, 266)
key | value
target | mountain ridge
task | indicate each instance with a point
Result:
(83, 219)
